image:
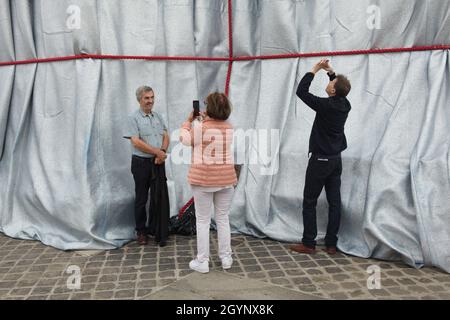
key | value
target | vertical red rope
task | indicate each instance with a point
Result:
(230, 46)
(230, 68)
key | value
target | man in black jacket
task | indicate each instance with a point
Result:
(326, 143)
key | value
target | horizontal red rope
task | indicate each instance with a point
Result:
(227, 59)
(343, 53)
(110, 57)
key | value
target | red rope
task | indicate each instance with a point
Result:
(182, 210)
(230, 68)
(230, 29)
(230, 46)
(110, 57)
(229, 59)
(343, 53)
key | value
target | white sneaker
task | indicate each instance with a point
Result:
(227, 262)
(202, 267)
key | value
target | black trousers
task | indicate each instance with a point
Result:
(147, 175)
(322, 172)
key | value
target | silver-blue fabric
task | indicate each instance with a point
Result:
(65, 168)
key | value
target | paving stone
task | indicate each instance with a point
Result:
(388, 283)
(436, 288)
(271, 266)
(20, 292)
(259, 254)
(296, 272)
(339, 295)
(278, 253)
(111, 270)
(417, 289)
(59, 297)
(329, 286)
(350, 285)
(167, 274)
(252, 268)
(47, 282)
(395, 273)
(424, 280)
(257, 275)
(301, 257)
(341, 277)
(184, 273)
(267, 260)
(81, 296)
(124, 294)
(108, 278)
(235, 269)
(379, 292)
(12, 277)
(288, 265)
(398, 291)
(309, 289)
(308, 264)
(103, 295)
(301, 280)
(32, 270)
(164, 282)
(405, 281)
(412, 272)
(127, 277)
(106, 286)
(126, 285)
(444, 295)
(342, 262)
(429, 297)
(40, 297)
(280, 281)
(443, 279)
(145, 284)
(333, 270)
(41, 290)
(275, 274)
(247, 262)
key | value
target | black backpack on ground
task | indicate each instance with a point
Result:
(184, 223)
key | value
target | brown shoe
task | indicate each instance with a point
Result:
(142, 239)
(301, 248)
(330, 250)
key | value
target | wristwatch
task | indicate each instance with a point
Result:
(165, 151)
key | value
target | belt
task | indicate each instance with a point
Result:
(325, 157)
(142, 158)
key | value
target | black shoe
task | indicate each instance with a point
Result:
(163, 244)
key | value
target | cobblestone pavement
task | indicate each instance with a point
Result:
(31, 270)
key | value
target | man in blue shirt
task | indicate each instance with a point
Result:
(150, 140)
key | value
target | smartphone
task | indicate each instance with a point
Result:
(196, 104)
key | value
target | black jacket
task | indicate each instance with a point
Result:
(327, 135)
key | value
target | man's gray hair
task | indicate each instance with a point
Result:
(142, 90)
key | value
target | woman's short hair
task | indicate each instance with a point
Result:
(218, 106)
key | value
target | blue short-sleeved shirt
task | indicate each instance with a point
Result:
(148, 127)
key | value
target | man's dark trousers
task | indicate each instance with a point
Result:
(147, 175)
(323, 171)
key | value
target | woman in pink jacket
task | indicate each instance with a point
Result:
(212, 177)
